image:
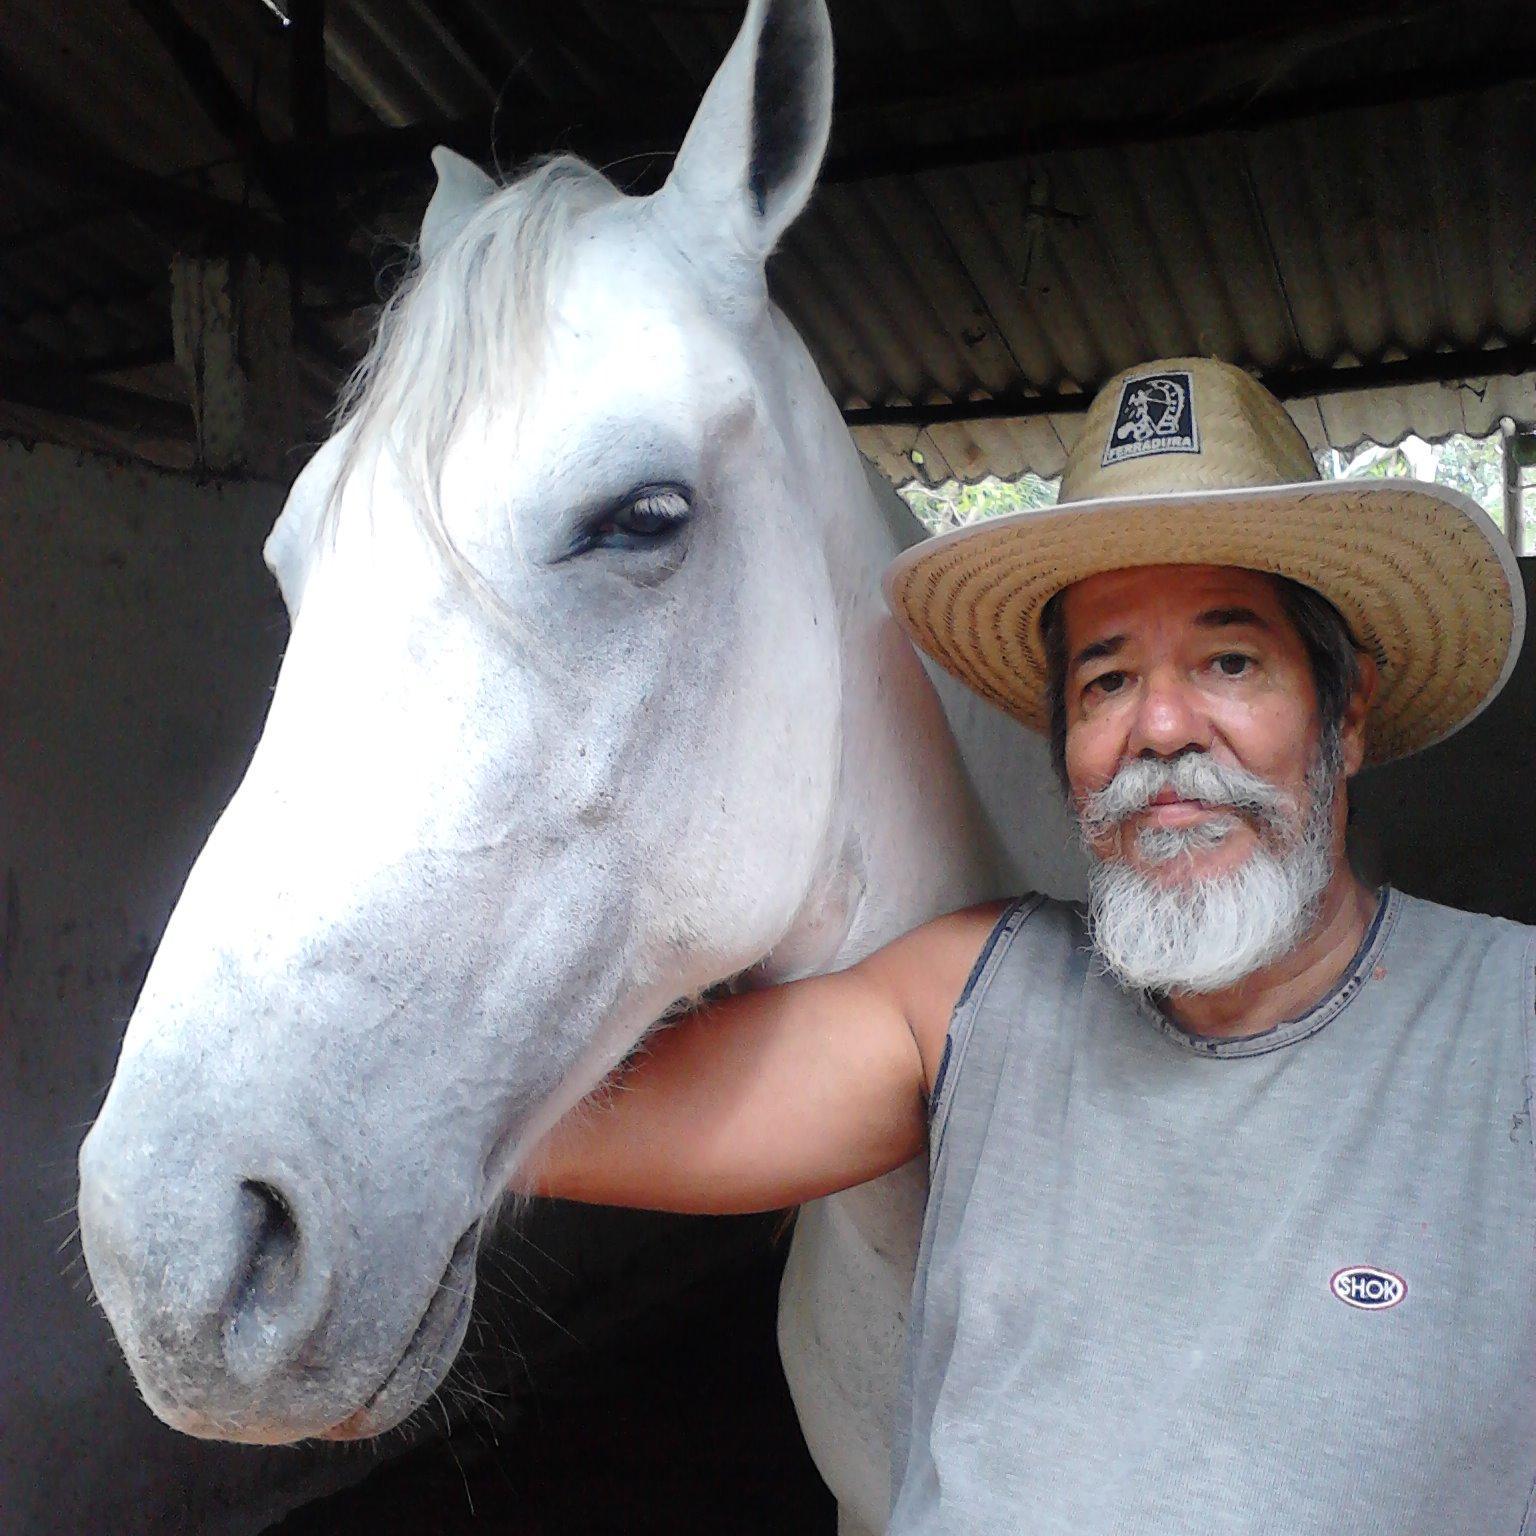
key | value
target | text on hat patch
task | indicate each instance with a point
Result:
(1156, 415)
(1369, 1288)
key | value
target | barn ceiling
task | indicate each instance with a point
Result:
(1020, 198)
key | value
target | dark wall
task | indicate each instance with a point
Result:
(1457, 823)
(138, 640)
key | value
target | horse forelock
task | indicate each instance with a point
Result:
(467, 327)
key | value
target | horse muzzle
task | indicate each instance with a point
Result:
(251, 1302)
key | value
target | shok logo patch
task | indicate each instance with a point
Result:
(1156, 415)
(1369, 1288)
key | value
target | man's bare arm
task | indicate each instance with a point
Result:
(771, 1098)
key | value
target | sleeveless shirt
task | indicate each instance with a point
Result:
(1275, 1286)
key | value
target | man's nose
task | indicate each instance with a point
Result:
(1169, 719)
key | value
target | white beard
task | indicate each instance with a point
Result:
(1202, 935)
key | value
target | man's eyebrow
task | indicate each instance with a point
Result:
(1097, 650)
(1227, 618)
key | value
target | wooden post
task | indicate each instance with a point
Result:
(309, 106)
(1516, 448)
(232, 324)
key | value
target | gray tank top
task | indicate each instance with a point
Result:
(1281, 1285)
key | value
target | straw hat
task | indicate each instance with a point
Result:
(1189, 461)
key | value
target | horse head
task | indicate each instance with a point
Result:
(555, 744)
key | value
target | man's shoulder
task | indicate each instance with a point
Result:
(989, 923)
(1421, 913)
(1057, 914)
(933, 969)
(1439, 941)
(1041, 916)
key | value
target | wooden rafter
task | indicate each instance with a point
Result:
(881, 88)
(1285, 384)
(219, 101)
(65, 391)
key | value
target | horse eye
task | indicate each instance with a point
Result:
(653, 513)
(645, 519)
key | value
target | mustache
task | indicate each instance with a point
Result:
(1194, 776)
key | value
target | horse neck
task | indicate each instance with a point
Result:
(906, 840)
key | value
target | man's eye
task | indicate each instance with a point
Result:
(1105, 682)
(1233, 664)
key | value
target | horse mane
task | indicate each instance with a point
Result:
(465, 327)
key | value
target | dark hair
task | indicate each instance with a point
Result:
(1331, 648)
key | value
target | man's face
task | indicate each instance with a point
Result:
(1167, 661)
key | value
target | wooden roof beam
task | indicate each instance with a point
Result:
(1285, 384)
(1517, 66)
(64, 391)
(887, 84)
(218, 100)
(184, 218)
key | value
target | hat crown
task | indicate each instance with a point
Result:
(1184, 424)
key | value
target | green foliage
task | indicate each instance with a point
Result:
(1472, 465)
(1475, 465)
(954, 505)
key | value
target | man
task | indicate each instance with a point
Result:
(1233, 1202)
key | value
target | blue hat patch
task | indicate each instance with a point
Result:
(1156, 415)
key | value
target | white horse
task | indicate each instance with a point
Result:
(591, 702)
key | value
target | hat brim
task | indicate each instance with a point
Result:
(1421, 573)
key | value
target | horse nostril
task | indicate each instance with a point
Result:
(270, 1312)
(270, 1243)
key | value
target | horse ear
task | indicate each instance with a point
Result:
(749, 161)
(461, 187)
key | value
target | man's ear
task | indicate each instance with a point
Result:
(461, 188)
(1352, 735)
(750, 158)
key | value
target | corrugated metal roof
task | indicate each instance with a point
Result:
(1360, 237)
(1018, 201)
